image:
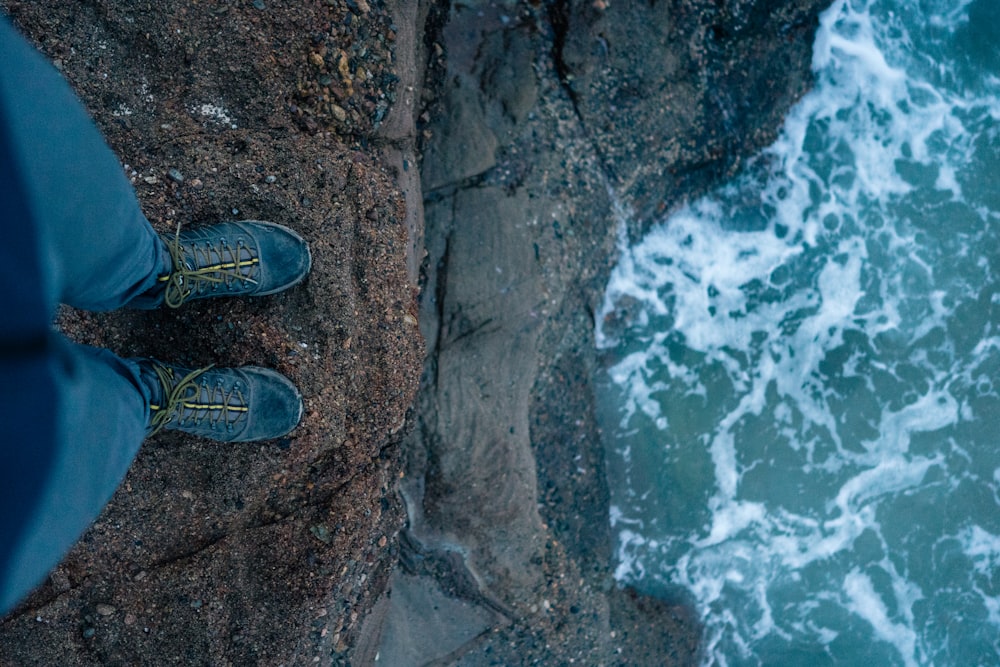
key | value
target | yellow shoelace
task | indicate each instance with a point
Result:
(180, 400)
(215, 264)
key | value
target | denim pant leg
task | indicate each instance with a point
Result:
(100, 424)
(102, 251)
(96, 251)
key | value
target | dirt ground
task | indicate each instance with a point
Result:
(260, 553)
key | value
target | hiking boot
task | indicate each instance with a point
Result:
(227, 404)
(247, 258)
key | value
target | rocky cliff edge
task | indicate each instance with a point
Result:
(462, 171)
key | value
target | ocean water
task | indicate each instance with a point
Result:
(801, 392)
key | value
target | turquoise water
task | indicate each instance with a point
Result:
(802, 380)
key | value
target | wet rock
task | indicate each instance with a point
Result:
(547, 120)
(676, 94)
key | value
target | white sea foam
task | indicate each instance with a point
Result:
(983, 548)
(866, 603)
(809, 356)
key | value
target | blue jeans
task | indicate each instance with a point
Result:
(72, 418)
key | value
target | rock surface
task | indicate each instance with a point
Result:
(267, 553)
(541, 124)
(553, 120)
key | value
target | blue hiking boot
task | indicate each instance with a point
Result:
(246, 258)
(228, 404)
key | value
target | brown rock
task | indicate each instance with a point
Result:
(209, 557)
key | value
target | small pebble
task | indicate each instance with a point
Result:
(258, 4)
(321, 533)
(104, 610)
(60, 581)
(175, 176)
(271, 179)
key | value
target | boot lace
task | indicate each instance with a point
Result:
(212, 265)
(196, 403)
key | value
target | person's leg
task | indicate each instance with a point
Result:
(101, 418)
(103, 407)
(64, 197)
(100, 251)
